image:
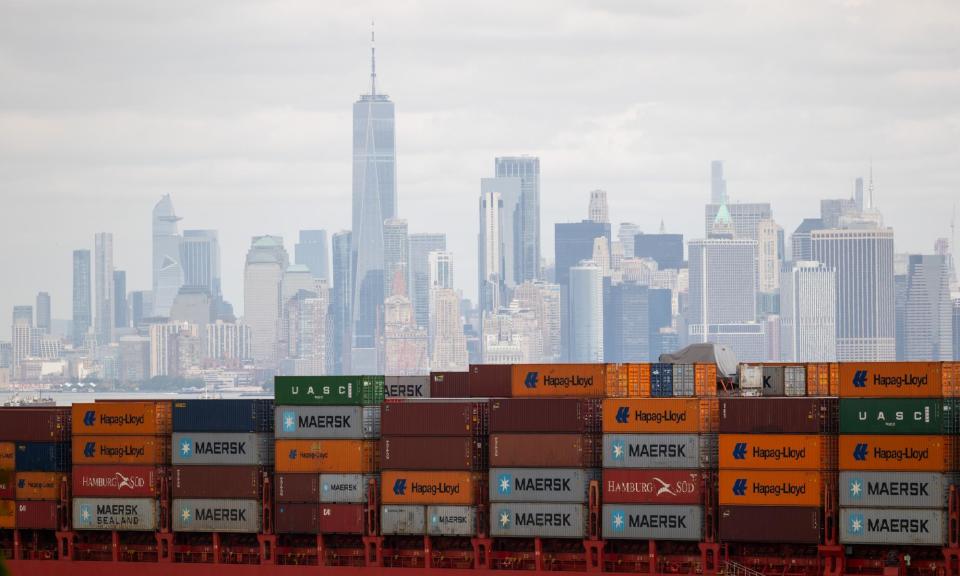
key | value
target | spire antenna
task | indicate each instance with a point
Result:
(373, 60)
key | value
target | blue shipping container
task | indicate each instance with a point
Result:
(43, 457)
(237, 415)
(661, 380)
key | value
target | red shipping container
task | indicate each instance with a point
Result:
(297, 488)
(652, 486)
(490, 380)
(778, 415)
(38, 515)
(433, 418)
(233, 482)
(35, 424)
(341, 518)
(776, 524)
(545, 451)
(450, 384)
(297, 518)
(6, 484)
(536, 415)
(308, 518)
(433, 453)
(120, 481)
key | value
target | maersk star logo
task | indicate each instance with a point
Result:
(856, 524)
(186, 448)
(289, 422)
(503, 484)
(617, 521)
(326, 487)
(85, 515)
(856, 488)
(617, 450)
(186, 516)
(505, 519)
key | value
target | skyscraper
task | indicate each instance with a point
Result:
(808, 293)
(718, 185)
(929, 314)
(449, 353)
(24, 335)
(262, 284)
(200, 251)
(573, 243)
(43, 312)
(374, 201)
(863, 260)
(396, 257)
(800, 239)
(311, 252)
(626, 323)
(510, 191)
(585, 313)
(103, 281)
(120, 316)
(626, 234)
(743, 217)
(665, 249)
(527, 168)
(769, 258)
(420, 247)
(490, 257)
(340, 298)
(82, 308)
(167, 270)
(598, 210)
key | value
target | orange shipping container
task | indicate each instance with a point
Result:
(705, 380)
(122, 418)
(896, 379)
(429, 487)
(8, 514)
(658, 415)
(558, 380)
(39, 485)
(8, 455)
(773, 451)
(343, 456)
(899, 453)
(121, 450)
(769, 488)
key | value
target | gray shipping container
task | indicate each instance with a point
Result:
(894, 489)
(523, 519)
(407, 386)
(344, 488)
(451, 520)
(208, 448)
(541, 484)
(881, 526)
(402, 520)
(774, 381)
(327, 422)
(683, 380)
(795, 380)
(115, 514)
(654, 521)
(658, 451)
(750, 377)
(214, 515)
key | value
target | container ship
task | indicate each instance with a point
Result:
(791, 469)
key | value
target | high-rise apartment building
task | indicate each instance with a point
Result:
(718, 184)
(311, 251)
(167, 269)
(262, 292)
(200, 251)
(120, 317)
(527, 168)
(396, 257)
(929, 314)
(43, 312)
(421, 245)
(808, 329)
(585, 313)
(374, 201)
(82, 298)
(228, 342)
(340, 301)
(769, 258)
(863, 260)
(598, 211)
(103, 281)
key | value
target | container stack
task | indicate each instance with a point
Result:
(433, 464)
(543, 456)
(120, 450)
(898, 423)
(327, 429)
(34, 458)
(775, 379)
(222, 450)
(657, 454)
(777, 459)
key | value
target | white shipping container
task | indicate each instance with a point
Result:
(523, 519)
(216, 515)
(921, 527)
(127, 514)
(402, 520)
(652, 522)
(751, 377)
(451, 520)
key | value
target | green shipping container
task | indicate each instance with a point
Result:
(897, 416)
(328, 390)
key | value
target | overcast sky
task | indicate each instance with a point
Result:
(242, 110)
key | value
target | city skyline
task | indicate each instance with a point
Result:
(586, 138)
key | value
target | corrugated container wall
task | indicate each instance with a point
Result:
(406, 387)
(540, 484)
(491, 380)
(652, 486)
(121, 449)
(778, 415)
(328, 390)
(556, 415)
(150, 418)
(433, 487)
(658, 451)
(449, 384)
(216, 515)
(334, 456)
(897, 526)
(346, 422)
(43, 456)
(544, 451)
(118, 481)
(895, 489)
(236, 482)
(235, 415)
(774, 524)
(558, 380)
(407, 520)
(451, 520)
(433, 453)
(896, 379)
(135, 514)
(35, 424)
(898, 415)
(433, 418)
(518, 519)
(652, 522)
(229, 449)
(38, 515)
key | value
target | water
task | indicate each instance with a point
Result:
(68, 398)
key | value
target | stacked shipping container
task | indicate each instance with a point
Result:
(777, 456)
(433, 462)
(898, 423)
(222, 450)
(34, 459)
(326, 453)
(120, 451)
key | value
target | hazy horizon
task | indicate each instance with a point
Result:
(242, 113)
